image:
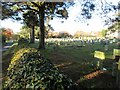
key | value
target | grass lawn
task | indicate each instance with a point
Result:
(78, 63)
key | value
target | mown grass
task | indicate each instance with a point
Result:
(76, 62)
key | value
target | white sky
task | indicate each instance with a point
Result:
(14, 25)
(69, 25)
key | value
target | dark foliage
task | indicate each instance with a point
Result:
(32, 70)
(23, 41)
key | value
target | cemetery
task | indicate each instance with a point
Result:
(94, 65)
(66, 45)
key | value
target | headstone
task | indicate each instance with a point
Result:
(119, 65)
(106, 47)
(118, 75)
(100, 55)
(114, 40)
(116, 52)
(116, 67)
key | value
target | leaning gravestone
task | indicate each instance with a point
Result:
(101, 56)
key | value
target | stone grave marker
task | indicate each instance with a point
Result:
(116, 52)
(115, 66)
(119, 65)
(118, 75)
(101, 56)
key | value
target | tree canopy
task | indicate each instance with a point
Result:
(42, 10)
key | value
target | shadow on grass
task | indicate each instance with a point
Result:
(97, 79)
(5, 63)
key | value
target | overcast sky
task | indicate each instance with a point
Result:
(69, 25)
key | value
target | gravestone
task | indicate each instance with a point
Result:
(106, 47)
(118, 75)
(116, 56)
(119, 65)
(101, 56)
(116, 52)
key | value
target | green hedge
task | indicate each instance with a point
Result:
(32, 70)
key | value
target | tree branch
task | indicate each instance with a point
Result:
(32, 9)
(36, 5)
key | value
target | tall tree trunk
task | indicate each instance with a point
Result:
(42, 29)
(32, 35)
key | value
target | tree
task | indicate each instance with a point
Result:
(63, 34)
(104, 33)
(78, 34)
(30, 19)
(41, 9)
(16, 37)
(6, 34)
(101, 8)
(115, 26)
(48, 28)
(47, 8)
(25, 32)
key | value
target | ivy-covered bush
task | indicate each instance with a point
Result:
(23, 42)
(32, 70)
(19, 54)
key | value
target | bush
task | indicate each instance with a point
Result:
(23, 42)
(19, 54)
(32, 70)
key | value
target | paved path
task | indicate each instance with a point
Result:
(7, 46)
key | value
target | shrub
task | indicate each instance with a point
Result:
(19, 54)
(32, 70)
(23, 41)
